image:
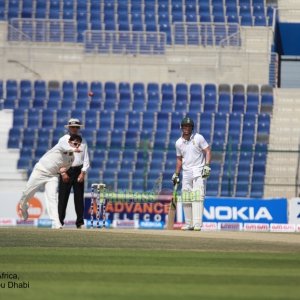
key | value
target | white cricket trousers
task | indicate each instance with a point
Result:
(37, 179)
(193, 194)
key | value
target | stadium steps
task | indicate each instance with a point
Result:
(10, 177)
(284, 135)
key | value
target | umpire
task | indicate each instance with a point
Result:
(74, 177)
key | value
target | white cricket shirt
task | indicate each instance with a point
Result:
(61, 155)
(193, 158)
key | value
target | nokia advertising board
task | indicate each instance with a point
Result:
(241, 210)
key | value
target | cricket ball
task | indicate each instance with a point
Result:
(91, 94)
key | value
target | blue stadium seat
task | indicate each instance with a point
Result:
(181, 92)
(206, 125)
(26, 88)
(2, 10)
(13, 9)
(119, 120)
(233, 19)
(266, 104)
(57, 133)
(220, 121)
(246, 20)
(24, 162)
(162, 121)
(153, 101)
(102, 139)
(14, 137)
(258, 10)
(91, 119)
(218, 9)
(29, 137)
(224, 103)
(34, 118)
(117, 139)
(40, 86)
(11, 94)
(232, 11)
(25, 158)
(210, 89)
(134, 122)
(227, 186)
(88, 134)
(204, 7)
(19, 117)
(260, 21)
(258, 2)
(48, 118)
(167, 95)
(131, 138)
(263, 128)
(242, 188)
(257, 189)
(238, 103)
(124, 87)
(167, 30)
(252, 105)
(148, 121)
(210, 98)
(195, 97)
(210, 102)
(234, 130)
(139, 101)
(24, 102)
(97, 98)
(98, 159)
(105, 120)
(82, 102)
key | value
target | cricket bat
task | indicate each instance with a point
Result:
(172, 210)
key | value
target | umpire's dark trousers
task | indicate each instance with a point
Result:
(64, 190)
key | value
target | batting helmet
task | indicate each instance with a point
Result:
(187, 121)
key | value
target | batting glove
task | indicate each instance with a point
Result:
(206, 171)
(175, 178)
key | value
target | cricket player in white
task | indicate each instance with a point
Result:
(193, 157)
(46, 172)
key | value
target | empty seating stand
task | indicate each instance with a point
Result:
(131, 128)
(208, 23)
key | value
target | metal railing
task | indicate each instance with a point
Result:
(43, 30)
(206, 34)
(124, 42)
(273, 69)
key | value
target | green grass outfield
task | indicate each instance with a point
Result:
(111, 264)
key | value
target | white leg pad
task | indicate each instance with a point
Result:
(198, 203)
(187, 208)
(197, 208)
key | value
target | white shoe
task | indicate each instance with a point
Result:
(24, 210)
(187, 227)
(56, 226)
(197, 227)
